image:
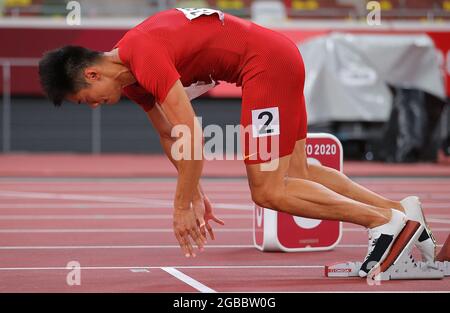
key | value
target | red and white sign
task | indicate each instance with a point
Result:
(277, 231)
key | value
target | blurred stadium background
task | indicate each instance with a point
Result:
(29, 123)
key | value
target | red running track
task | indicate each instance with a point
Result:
(119, 231)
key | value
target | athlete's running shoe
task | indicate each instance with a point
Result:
(426, 242)
(381, 239)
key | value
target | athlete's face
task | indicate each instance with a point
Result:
(101, 89)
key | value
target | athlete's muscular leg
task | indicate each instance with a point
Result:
(334, 180)
(300, 197)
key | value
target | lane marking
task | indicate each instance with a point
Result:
(153, 203)
(134, 216)
(151, 247)
(117, 180)
(438, 220)
(105, 217)
(360, 246)
(365, 230)
(52, 205)
(188, 280)
(147, 268)
(118, 247)
(95, 205)
(144, 230)
(113, 230)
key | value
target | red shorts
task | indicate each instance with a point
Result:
(273, 105)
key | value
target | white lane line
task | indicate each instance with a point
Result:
(444, 216)
(52, 205)
(95, 205)
(237, 246)
(145, 230)
(152, 203)
(81, 268)
(106, 217)
(112, 230)
(9, 217)
(150, 247)
(148, 194)
(363, 230)
(360, 246)
(438, 220)
(188, 280)
(159, 267)
(117, 247)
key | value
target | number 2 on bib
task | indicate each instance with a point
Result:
(266, 122)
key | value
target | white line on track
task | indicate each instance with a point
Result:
(360, 246)
(52, 205)
(149, 195)
(149, 247)
(365, 230)
(439, 220)
(159, 267)
(144, 230)
(157, 183)
(96, 205)
(112, 230)
(84, 205)
(155, 203)
(106, 217)
(188, 280)
(118, 247)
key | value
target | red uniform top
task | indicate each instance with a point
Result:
(170, 46)
(204, 45)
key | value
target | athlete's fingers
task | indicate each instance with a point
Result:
(218, 220)
(210, 231)
(190, 247)
(202, 228)
(201, 225)
(197, 237)
(203, 231)
(182, 243)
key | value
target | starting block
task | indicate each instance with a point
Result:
(405, 269)
(399, 264)
(277, 231)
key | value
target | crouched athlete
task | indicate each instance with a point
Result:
(159, 64)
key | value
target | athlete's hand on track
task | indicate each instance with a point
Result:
(198, 205)
(185, 227)
(209, 215)
(204, 213)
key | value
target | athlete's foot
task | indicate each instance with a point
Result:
(444, 254)
(426, 242)
(381, 239)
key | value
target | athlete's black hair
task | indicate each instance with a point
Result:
(61, 71)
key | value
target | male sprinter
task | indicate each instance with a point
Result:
(151, 65)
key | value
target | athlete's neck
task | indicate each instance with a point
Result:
(114, 67)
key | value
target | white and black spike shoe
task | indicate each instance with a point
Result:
(381, 239)
(426, 242)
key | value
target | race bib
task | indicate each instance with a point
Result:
(197, 89)
(265, 122)
(192, 13)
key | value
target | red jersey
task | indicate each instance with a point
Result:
(203, 45)
(193, 45)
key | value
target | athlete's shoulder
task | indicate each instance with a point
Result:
(161, 19)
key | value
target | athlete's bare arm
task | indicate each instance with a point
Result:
(201, 203)
(179, 113)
